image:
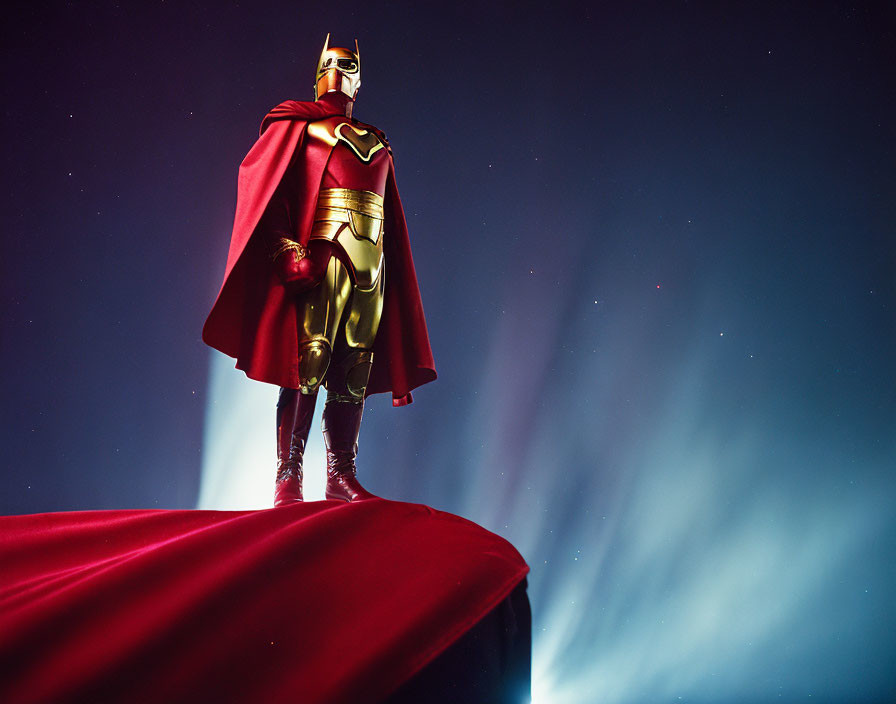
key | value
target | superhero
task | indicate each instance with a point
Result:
(319, 286)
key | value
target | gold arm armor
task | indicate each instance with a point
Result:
(285, 244)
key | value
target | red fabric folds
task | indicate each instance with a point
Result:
(316, 602)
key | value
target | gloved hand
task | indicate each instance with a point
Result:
(299, 274)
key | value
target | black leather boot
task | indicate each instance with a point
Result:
(341, 426)
(294, 413)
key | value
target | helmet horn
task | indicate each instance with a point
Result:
(320, 62)
(323, 51)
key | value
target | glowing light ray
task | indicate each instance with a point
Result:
(704, 551)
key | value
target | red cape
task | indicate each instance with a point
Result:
(254, 320)
(321, 601)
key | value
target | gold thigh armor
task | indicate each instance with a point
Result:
(320, 310)
(339, 318)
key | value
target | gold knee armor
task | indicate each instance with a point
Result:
(314, 358)
(347, 377)
(360, 362)
(347, 299)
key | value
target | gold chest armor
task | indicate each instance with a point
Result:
(362, 142)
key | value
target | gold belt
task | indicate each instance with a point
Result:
(366, 202)
(354, 221)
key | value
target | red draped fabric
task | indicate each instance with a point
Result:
(316, 602)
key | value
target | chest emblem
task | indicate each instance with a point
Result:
(362, 142)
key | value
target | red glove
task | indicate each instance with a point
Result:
(300, 274)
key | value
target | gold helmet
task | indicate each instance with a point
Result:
(338, 69)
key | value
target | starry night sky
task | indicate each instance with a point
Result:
(655, 244)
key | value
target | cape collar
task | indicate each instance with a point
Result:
(336, 100)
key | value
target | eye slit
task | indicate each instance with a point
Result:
(347, 64)
(329, 61)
